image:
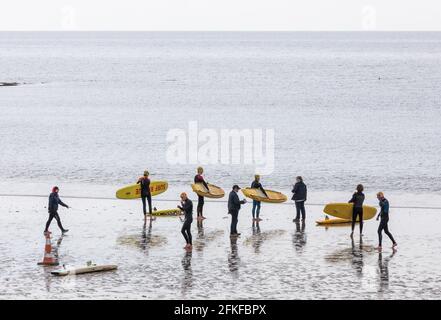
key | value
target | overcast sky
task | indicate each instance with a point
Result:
(220, 15)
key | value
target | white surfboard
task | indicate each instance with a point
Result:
(81, 270)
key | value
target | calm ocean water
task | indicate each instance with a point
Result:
(92, 111)
(346, 107)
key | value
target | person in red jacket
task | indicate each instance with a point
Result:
(54, 201)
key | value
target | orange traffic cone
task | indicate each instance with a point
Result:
(49, 259)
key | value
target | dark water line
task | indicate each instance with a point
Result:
(176, 200)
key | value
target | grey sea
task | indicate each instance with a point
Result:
(90, 112)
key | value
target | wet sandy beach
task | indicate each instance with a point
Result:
(276, 259)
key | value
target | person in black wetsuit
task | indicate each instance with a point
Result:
(200, 179)
(357, 199)
(54, 201)
(187, 207)
(233, 209)
(256, 204)
(299, 197)
(144, 183)
(384, 215)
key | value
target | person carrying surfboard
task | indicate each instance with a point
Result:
(199, 178)
(144, 183)
(256, 204)
(299, 191)
(384, 215)
(233, 208)
(358, 200)
(54, 201)
(187, 207)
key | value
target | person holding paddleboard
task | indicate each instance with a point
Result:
(233, 208)
(54, 201)
(299, 191)
(358, 200)
(198, 178)
(256, 204)
(384, 215)
(144, 183)
(187, 207)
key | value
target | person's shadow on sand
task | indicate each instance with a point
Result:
(233, 257)
(146, 236)
(383, 266)
(187, 280)
(299, 236)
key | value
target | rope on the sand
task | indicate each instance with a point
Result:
(177, 200)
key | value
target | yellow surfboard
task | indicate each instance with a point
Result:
(333, 221)
(257, 194)
(344, 211)
(213, 192)
(167, 213)
(134, 191)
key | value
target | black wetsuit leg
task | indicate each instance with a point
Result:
(186, 231)
(144, 209)
(361, 219)
(149, 200)
(234, 220)
(383, 226)
(357, 212)
(297, 210)
(302, 209)
(256, 209)
(53, 215)
(200, 206)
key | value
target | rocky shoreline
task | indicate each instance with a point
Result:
(8, 84)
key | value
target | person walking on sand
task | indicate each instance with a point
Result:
(256, 204)
(187, 207)
(199, 178)
(384, 215)
(54, 201)
(357, 212)
(299, 191)
(233, 208)
(146, 195)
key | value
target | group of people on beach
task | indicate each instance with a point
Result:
(299, 197)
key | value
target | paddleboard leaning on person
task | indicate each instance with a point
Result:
(199, 178)
(256, 204)
(384, 215)
(358, 200)
(233, 208)
(54, 201)
(187, 207)
(146, 195)
(299, 196)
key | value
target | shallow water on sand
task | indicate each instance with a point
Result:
(277, 259)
